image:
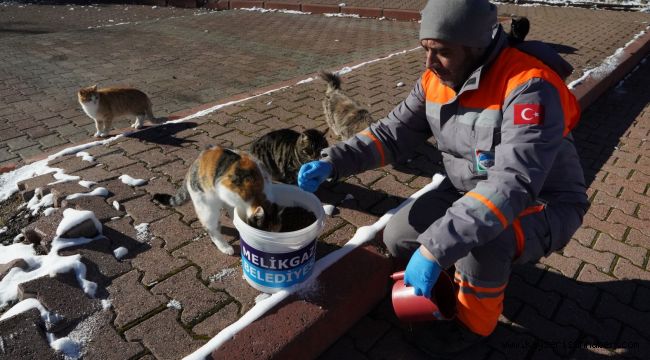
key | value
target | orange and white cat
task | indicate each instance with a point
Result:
(226, 179)
(104, 105)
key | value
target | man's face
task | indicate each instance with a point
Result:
(452, 63)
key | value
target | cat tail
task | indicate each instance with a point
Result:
(180, 198)
(333, 80)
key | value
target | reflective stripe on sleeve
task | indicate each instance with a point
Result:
(490, 205)
(378, 145)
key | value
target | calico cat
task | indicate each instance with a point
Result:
(223, 178)
(345, 116)
(104, 105)
(283, 151)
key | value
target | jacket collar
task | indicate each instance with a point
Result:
(499, 42)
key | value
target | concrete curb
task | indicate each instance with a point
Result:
(592, 87)
(302, 329)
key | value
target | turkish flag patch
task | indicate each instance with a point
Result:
(529, 114)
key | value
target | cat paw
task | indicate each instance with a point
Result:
(224, 247)
(228, 251)
(100, 134)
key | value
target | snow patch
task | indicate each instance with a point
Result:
(9, 180)
(87, 183)
(62, 177)
(29, 304)
(73, 217)
(106, 304)
(174, 304)
(3, 230)
(342, 15)
(68, 347)
(100, 191)
(223, 274)
(126, 179)
(329, 209)
(85, 156)
(120, 252)
(42, 265)
(35, 204)
(143, 234)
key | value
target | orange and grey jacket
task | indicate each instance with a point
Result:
(505, 142)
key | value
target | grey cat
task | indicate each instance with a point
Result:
(344, 115)
(283, 151)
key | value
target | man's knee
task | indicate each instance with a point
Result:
(399, 241)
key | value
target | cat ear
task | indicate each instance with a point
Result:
(325, 132)
(303, 139)
(94, 87)
(258, 216)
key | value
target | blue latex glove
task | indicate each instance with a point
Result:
(421, 273)
(312, 174)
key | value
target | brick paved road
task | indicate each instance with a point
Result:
(180, 62)
(176, 261)
(183, 60)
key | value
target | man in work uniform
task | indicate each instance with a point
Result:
(515, 190)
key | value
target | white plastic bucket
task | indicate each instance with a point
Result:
(272, 261)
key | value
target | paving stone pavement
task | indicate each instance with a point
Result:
(174, 290)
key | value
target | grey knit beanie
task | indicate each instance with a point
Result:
(465, 22)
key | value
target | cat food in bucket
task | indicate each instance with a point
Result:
(272, 261)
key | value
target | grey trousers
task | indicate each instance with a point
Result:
(485, 270)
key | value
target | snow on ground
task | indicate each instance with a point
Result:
(9, 180)
(36, 203)
(608, 65)
(86, 156)
(120, 252)
(73, 217)
(223, 273)
(174, 304)
(87, 183)
(143, 234)
(329, 209)
(100, 191)
(62, 177)
(49, 265)
(128, 180)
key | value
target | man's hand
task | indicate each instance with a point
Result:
(312, 174)
(422, 272)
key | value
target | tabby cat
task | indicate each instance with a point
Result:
(104, 105)
(283, 151)
(345, 116)
(222, 178)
